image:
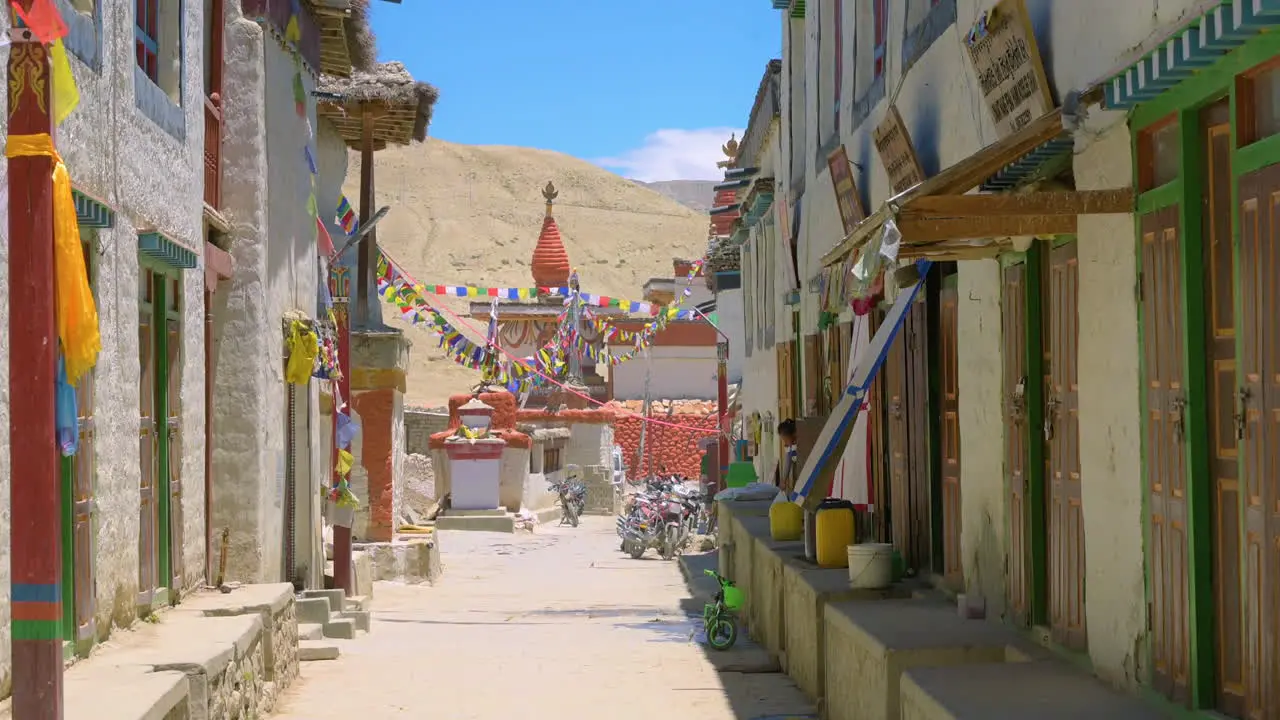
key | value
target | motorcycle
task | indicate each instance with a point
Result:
(572, 499)
(648, 527)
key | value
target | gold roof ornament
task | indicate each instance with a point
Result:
(550, 193)
(730, 150)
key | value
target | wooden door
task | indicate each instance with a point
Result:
(1259, 399)
(1017, 452)
(786, 381)
(812, 379)
(1062, 433)
(906, 392)
(1164, 400)
(173, 448)
(915, 332)
(948, 334)
(148, 514)
(1219, 265)
(878, 441)
(83, 471)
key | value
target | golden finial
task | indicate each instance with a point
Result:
(730, 150)
(549, 192)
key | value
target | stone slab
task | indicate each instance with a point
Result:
(122, 695)
(266, 597)
(360, 617)
(870, 644)
(361, 574)
(310, 650)
(337, 598)
(411, 561)
(313, 610)
(452, 520)
(340, 629)
(310, 631)
(1039, 690)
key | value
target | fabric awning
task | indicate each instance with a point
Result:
(939, 221)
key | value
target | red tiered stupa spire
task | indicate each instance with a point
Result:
(550, 263)
(722, 223)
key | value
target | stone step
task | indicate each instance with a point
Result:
(360, 617)
(336, 598)
(358, 602)
(340, 628)
(309, 650)
(310, 631)
(313, 610)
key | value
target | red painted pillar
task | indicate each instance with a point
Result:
(342, 535)
(35, 535)
(722, 403)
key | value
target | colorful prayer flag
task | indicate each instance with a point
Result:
(43, 20)
(347, 216)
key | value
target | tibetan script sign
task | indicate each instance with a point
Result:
(1006, 59)
(850, 204)
(893, 142)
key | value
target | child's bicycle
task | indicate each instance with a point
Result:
(719, 616)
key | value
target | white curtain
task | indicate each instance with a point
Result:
(852, 480)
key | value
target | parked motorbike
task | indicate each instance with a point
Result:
(648, 527)
(664, 515)
(572, 499)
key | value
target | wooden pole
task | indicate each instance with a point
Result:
(35, 535)
(342, 535)
(722, 403)
(368, 244)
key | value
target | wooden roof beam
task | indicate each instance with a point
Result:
(1067, 202)
(922, 231)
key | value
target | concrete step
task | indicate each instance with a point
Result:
(309, 650)
(310, 631)
(358, 602)
(314, 610)
(360, 617)
(336, 598)
(340, 628)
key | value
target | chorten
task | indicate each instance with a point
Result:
(550, 263)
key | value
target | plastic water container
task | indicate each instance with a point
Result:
(786, 521)
(870, 565)
(833, 533)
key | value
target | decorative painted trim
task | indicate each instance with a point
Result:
(931, 27)
(797, 8)
(91, 212)
(156, 246)
(726, 209)
(740, 173)
(1029, 166)
(1197, 45)
(761, 203)
(732, 185)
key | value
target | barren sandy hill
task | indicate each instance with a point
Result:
(470, 215)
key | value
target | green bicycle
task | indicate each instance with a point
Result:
(719, 616)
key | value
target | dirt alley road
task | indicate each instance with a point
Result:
(557, 624)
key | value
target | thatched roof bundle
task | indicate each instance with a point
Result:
(402, 105)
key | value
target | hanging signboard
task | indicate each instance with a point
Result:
(1006, 60)
(893, 143)
(847, 199)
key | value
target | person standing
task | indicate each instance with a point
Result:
(785, 475)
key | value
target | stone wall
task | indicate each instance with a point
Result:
(419, 426)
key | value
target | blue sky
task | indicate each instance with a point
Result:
(648, 88)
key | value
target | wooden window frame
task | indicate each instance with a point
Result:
(1146, 165)
(1245, 117)
(146, 34)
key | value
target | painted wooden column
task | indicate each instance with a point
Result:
(722, 408)
(35, 535)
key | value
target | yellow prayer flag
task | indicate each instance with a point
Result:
(66, 96)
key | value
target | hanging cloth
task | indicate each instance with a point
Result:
(303, 347)
(66, 412)
(77, 314)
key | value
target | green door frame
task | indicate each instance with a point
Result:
(1185, 100)
(1037, 529)
(71, 644)
(161, 313)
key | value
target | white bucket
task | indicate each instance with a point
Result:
(870, 566)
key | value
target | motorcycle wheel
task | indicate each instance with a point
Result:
(636, 551)
(670, 542)
(722, 632)
(571, 512)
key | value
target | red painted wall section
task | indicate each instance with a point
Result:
(504, 419)
(374, 408)
(677, 448)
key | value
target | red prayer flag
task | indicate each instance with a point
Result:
(323, 240)
(43, 20)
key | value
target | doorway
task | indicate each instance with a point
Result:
(906, 394)
(160, 431)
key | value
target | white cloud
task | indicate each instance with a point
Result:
(674, 155)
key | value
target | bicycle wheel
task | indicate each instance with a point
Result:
(722, 632)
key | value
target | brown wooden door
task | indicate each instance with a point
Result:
(1219, 265)
(878, 440)
(1013, 301)
(173, 456)
(1062, 432)
(1259, 396)
(148, 515)
(1164, 401)
(906, 389)
(948, 333)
